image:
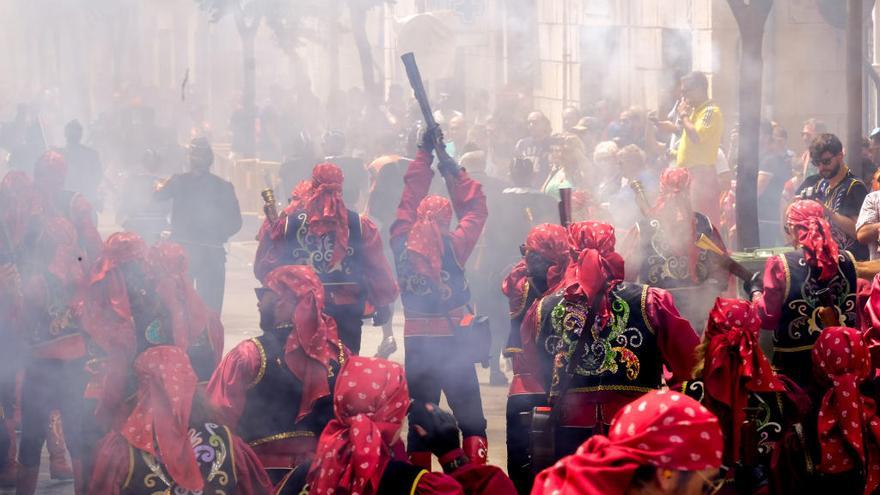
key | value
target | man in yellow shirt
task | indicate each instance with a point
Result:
(702, 125)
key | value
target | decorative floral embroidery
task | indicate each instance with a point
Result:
(317, 251)
(607, 347)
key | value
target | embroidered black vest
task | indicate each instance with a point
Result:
(272, 400)
(621, 355)
(660, 267)
(399, 478)
(771, 418)
(56, 319)
(800, 325)
(212, 446)
(303, 248)
(420, 295)
(529, 296)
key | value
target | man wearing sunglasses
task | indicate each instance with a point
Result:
(838, 190)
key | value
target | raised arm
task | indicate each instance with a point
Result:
(416, 183)
(469, 203)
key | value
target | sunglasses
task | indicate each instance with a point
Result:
(824, 161)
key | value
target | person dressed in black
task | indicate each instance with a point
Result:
(204, 215)
(838, 190)
(84, 165)
(774, 170)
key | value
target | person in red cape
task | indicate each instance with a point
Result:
(170, 443)
(430, 259)
(796, 286)
(20, 212)
(733, 374)
(192, 321)
(274, 390)
(357, 452)
(344, 249)
(666, 255)
(843, 443)
(637, 332)
(545, 258)
(54, 377)
(662, 443)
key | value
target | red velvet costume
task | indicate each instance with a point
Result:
(549, 243)
(356, 450)
(317, 230)
(58, 246)
(251, 380)
(788, 305)
(638, 329)
(661, 250)
(430, 258)
(163, 446)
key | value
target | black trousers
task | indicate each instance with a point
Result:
(434, 365)
(519, 460)
(207, 267)
(51, 384)
(349, 323)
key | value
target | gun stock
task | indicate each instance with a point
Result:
(729, 263)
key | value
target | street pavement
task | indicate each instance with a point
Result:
(241, 322)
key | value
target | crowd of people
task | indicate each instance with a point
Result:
(588, 269)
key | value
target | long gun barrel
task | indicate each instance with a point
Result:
(418, 87)
(565, 206)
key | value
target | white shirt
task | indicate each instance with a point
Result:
(870, 213)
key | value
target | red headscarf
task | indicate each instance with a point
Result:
(325, 208)
(734, 363)
(425, 240)
(369, 403)
(188, 313)
(847, 421)
(313, 341)
(664, 429)
(807, 219)
(550, 241)
(591, 245)
(159, 423)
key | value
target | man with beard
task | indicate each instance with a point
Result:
(637, 331)
(343, 248)
(435, 294)
(204, 215)
(544, 260)
(274, 390)
(837, 190)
